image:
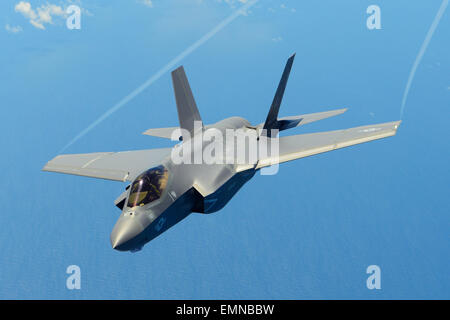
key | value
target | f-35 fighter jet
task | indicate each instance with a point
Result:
(164, 190)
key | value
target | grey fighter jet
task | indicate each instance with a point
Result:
(162, 191)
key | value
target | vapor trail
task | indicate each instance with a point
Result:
(162, 71)
(422, 50)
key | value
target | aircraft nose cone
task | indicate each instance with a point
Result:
(125, 230)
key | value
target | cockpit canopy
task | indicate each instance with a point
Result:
(148, 186)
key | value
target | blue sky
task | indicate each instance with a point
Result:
(324, 220)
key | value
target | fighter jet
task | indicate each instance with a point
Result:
(162, 190)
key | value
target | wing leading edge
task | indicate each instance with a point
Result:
(117, 166)
(304, 145)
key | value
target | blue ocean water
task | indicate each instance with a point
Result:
(321, 222)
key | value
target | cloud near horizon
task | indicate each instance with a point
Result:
(13, 29)
(41, 15)
(148, 3)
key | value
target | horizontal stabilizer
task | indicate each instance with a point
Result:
(162, 132)
(297, 121)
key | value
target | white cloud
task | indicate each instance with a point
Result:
(233, 3)
(37, 24)
(148, 3)
(25, 8)
(285, 7)
(13, 29)
(282, 7)
(42, 15)
(277, 39)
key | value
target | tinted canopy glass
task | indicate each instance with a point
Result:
(148, 186)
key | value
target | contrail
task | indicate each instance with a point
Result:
(423, 48)
(162, 71)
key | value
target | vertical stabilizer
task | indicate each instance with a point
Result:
(186, 106)
(272, 117)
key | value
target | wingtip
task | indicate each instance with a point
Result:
(46, 167)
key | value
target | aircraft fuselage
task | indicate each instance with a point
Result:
(139, 224)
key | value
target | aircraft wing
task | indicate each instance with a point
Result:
(304, 145)
(118, 166)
